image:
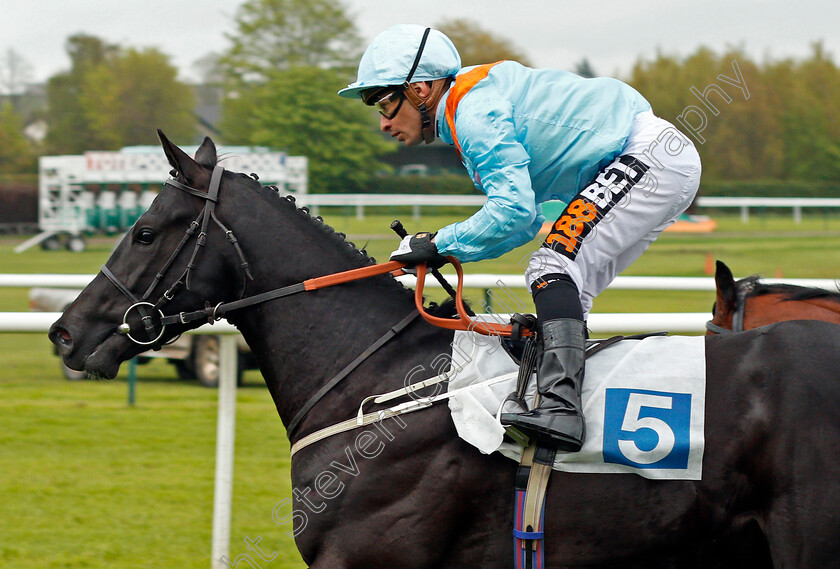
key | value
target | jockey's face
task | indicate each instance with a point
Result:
(406, 126)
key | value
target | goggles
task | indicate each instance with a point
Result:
(389, 104)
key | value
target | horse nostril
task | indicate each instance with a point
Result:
(62, 339)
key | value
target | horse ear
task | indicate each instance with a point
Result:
(206, 153)
(180, 160)
(725, 284)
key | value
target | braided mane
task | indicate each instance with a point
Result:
(359, 257)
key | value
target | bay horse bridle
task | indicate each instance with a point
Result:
(737, 314)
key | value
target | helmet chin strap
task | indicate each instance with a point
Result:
(430, 102)
(428, 105)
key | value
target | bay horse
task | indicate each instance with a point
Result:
(749, 303)
(422, 498)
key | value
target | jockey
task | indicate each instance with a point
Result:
(527, 136)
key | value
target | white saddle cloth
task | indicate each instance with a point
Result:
(643, 401)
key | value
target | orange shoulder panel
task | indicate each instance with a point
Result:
(463, 83)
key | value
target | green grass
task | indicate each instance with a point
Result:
(87, 481)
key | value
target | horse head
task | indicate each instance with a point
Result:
(748, 303)
(174, 258)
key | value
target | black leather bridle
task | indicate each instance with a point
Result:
(147, 309)
(737, 315)
(212, 313)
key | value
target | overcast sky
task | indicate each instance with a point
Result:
(612, 34)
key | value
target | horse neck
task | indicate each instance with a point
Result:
(769, 308)
(302, 341)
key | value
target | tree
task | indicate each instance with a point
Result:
(812, 125)
(69, 128)
(584, 69)
(477, 45)
(16, 152)
(288, 60)
(113, 97)
(209, 69)
(297, 110)
(148, 96)
(87, 51)
(788, 127)
(281, 34)
(15, 73)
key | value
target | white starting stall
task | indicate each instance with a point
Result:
(105, 192)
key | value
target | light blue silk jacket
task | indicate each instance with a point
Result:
(528, 136)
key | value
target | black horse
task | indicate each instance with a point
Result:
(414, 495)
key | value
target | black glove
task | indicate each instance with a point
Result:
(416, 249)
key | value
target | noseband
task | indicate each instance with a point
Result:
(737, 315)
(147, 309)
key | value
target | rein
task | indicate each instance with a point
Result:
(463, 322)
(212, 313)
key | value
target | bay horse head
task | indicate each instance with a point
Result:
(748, 303)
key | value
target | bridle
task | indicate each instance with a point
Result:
(147, 309)
(212, 313)
(737, 314)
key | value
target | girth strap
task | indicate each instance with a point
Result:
(529, 511)
(393, 331)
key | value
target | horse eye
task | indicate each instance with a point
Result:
(145, 236)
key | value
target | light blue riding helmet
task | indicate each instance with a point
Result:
(390, 58)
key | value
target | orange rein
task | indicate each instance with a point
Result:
(463, 322)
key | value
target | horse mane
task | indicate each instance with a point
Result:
(357, 256)
(755, 287)
(337, 237)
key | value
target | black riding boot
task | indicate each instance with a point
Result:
(558, 420)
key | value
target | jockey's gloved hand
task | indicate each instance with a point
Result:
(419, 248)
